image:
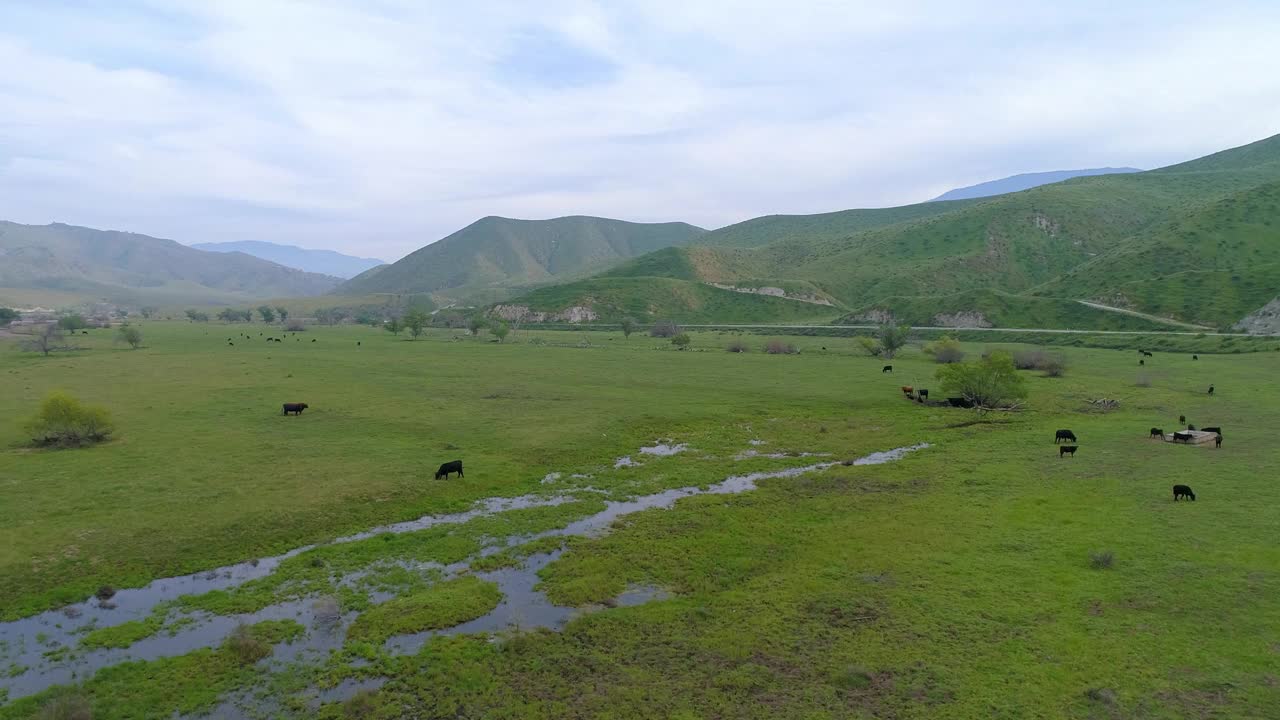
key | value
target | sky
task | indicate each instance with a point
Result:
(374, 127)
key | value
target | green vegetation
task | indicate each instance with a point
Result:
(439, 606)
(991, 382)
(124, 634)
(491, 257)
(7, 315)
(64, 421)
(72, 322)
(980, 577)
(130, 335)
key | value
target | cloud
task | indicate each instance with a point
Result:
(376, 127)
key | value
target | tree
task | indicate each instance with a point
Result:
(283, 313)
(664, 329)
(991, 382)
(414, 321)
(681, 341)
(476, 324)
(499, 330)
(7, 315)
(393, 326)
(197, 316)
(131, 335)
(74, 321)
(893, 338)
(47, 339)
(148, 311)
(268, 313)
(65, 421)
(945, 350)
(628, 327)
(331, 316)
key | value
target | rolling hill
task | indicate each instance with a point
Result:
(495, 257)
(324, 262)
(1196, 242)
(127, 268)
(1025, 181)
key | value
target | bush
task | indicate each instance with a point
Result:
(777, 347)
(7, 315)
(664, 329)
(737, 346)
(499, 330)
(73, 322)
(1052, 364)
(64, 421)
(870, 346)
(991, 382)
(67, 707)
(681, 341)
(946, 350)
(131, 335)
(295, 325)
(1101, 560)
(893, 338)
(245, 646)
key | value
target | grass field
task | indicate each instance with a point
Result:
(957, 582)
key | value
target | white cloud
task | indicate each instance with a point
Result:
(375, 127)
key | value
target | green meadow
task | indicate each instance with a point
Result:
(980, 577)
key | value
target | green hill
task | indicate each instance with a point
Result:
(128, 268)
(992, 308)
(1128, 240)
(495, 256)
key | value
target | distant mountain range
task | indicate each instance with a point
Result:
(496, 257)
(128, 268)
(1197, 242)
(325, 262)
(1025, 181)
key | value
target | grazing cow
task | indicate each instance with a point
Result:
(1157, 432)
(231, 343)
(1142, 362)
(1182, 491)
(449, 467)
(907, 389)
(1195, 357)
(1217, 430)
(1064, 435)
(295, 408)
(1147, 354)
(886, 369)
(1182, 419)
(1210, 389)
(1067, 450)
(358, 343)
(924, 394)
(1217, 441)
(1183, 436)
(313, 339)
(959, 402)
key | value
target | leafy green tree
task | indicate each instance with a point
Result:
(7, 315)
(990, 382)
(628, 327)
(268, 313)
(246, 315)
(499, 330)
(476, 324)
(197, 316)
(681, 341)
(74, 321)
(393, 326)
(131, 335)
(283, 313)
(893, 338)
(414, 321)
(65, 421)
(148, 311)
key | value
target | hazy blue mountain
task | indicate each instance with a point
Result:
(1025, 181)
(325, 262)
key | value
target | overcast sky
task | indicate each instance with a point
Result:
(374, 127)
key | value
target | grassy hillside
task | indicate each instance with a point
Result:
(1025, 181)
(501, 253)
(1088, 238)
(129, 268)
(647, 299)
(992, 308)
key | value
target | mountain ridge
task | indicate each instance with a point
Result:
(323, 262)
(1025, 181)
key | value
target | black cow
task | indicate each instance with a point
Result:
(959, 402)
(1182, 419)
(1064, 435)
(295, 408)
(1212, 430)
(1195, 357)
(1183, 436)
(231, 343)
(1142, 362)
(1182, 491)
(1147, 354)
(924, 394)
(1067, 450)
(1210, 389)
(1217, 441)
(449, 467)
(1157, 432)
(886, 369)
(357, 343)
(313, 339)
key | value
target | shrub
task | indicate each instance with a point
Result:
(7, 315)
(1051, 364)
(73, 322)
(131, 335)
(66, 422)
(66, 707)
(499, 330)
(1101, 560)
(245, 646)
(664, 329)
(946, 350)
(893, 338)
(295, 325)
(628, 326)
(991, 382)
(737, 346)
(414, 321)
(681, 341)
(777, 347)
(870, 346)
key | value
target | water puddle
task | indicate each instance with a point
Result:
(623, 462)
(24, 643)
(749, 454)
(663, 449)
